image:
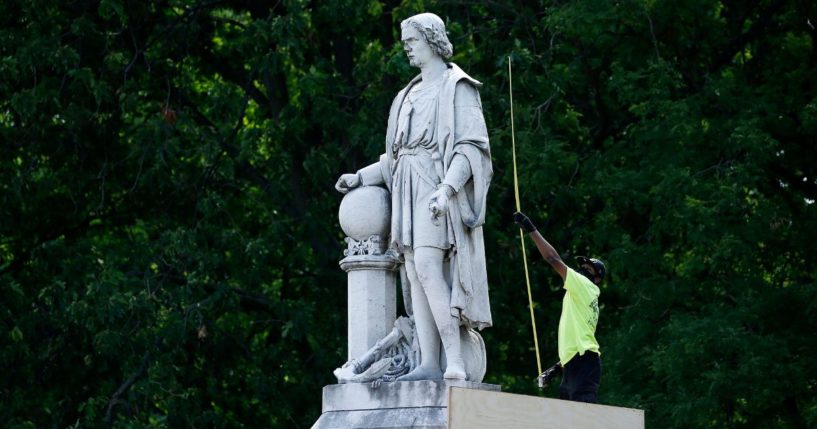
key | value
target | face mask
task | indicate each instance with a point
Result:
(583, 271)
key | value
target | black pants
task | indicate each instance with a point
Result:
(581, 378)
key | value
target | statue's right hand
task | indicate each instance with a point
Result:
(347, 182)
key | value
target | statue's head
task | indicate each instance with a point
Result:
(423, 36)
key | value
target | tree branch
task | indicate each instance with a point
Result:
(116, 398)
(738, 43)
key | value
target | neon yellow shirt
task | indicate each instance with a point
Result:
(580, 314)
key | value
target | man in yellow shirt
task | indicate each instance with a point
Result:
(579, 353)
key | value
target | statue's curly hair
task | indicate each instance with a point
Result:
(433, 29)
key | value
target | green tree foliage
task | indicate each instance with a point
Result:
(168, 242)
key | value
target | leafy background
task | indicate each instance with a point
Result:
(168, 232)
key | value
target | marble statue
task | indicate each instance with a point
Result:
(437, 168)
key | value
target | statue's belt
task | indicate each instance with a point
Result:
(424, 164)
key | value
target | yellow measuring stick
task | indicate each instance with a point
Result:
(521, 234)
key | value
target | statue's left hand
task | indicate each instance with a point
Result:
(347, 182)
(438, 203)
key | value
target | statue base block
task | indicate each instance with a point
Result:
(400, 404)
(474, 409)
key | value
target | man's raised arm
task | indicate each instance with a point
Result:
(548, 252)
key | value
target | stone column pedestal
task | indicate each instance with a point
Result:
(372, 302)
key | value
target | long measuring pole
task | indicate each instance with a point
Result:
(521, 234)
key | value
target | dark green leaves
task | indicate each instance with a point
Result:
(168, 238)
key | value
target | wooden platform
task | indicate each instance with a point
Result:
(481, 409)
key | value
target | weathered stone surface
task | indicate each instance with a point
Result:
(395, 418)
(401, 404)
(372, 305)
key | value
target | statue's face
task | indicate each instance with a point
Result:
(418, 51)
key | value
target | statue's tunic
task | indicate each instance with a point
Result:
(437, 134)
(414, 178)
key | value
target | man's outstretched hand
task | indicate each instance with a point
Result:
(524, 222)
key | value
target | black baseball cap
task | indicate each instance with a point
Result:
(601, 270)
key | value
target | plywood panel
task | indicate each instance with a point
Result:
(477, 409)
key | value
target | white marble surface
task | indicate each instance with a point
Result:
(400, 404)
(437, 167)
(364, 212)
(372, 300)
(397, 394)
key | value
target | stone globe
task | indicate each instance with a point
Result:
(366, 211)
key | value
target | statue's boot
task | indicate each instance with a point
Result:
(427, 336)
(422, 373)
(450, 336)
(455, 372)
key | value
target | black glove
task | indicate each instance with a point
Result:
(520, 219)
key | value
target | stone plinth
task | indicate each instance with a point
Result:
(400, 404)
(479, 409)
(372, 301)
